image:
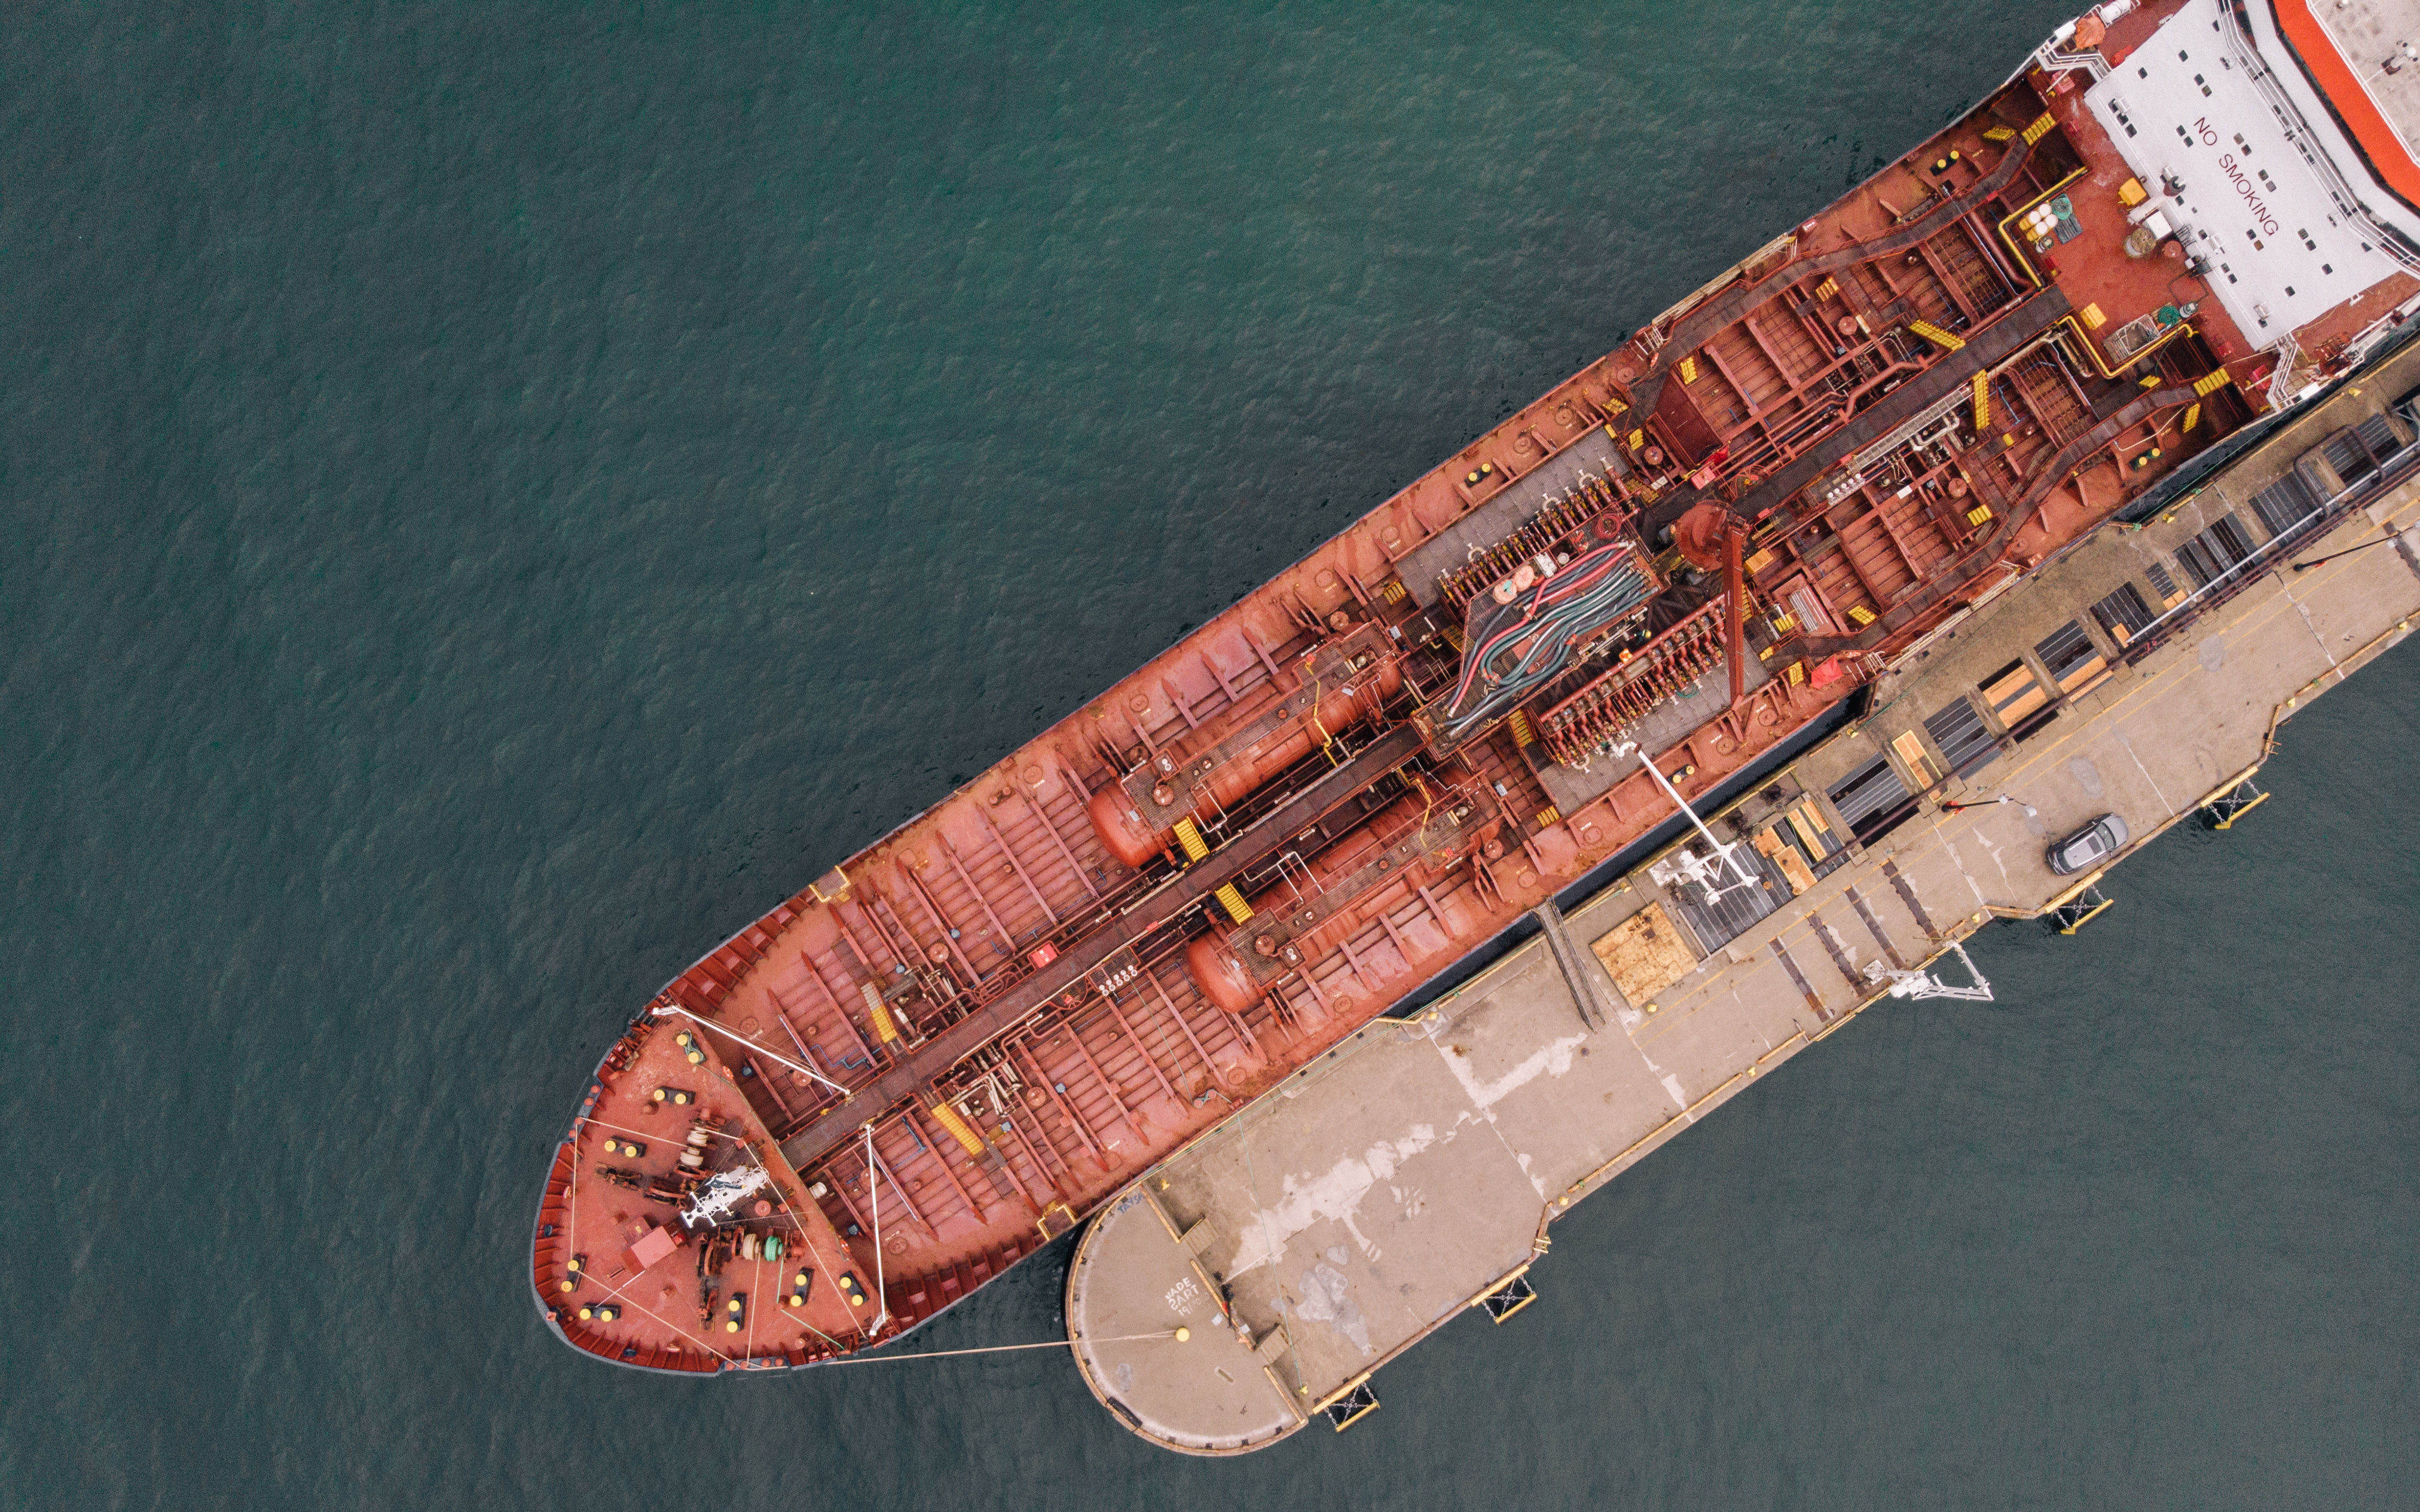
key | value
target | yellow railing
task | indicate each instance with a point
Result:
(2023, 261)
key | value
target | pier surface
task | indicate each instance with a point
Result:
(1416, 1169)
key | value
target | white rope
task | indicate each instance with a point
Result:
(612, 1292)
(807, 1236)
(879, 1170)
(622, 1295)
(1002, 1348)
(659, 1133)
(571, 1203)
(874, 1195)
(769, 1054)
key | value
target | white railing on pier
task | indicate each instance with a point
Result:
(2391, 471)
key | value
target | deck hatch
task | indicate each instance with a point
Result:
(2027, 729)
(2355, 453)
(2286, 503)
(1872, 800)
(2123, 613)
(1802, 844)
(1718, 920)
(2207, 556)
(2075, 662)
(2013, 693)
(1965, 741)
(2162, 583)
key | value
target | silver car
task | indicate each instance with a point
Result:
(2089, 846)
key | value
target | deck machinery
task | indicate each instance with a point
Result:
(948, 1049)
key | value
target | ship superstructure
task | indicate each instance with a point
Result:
(950, 1048)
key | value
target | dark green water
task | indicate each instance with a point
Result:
(496, 495)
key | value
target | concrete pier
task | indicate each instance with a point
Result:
(1418, 1167)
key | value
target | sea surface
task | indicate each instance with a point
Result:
(493, 496)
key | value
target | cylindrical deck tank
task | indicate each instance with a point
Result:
(1133, 839)
(1223, 976)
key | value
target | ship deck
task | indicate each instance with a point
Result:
(1417, 1171)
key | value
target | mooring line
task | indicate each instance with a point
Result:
(999, 1348)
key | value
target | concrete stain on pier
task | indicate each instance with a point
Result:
(1325, 1296)
(1553, 1058)
(1338, 1192)
(1334, 1194)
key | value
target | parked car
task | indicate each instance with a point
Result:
(2089, 846)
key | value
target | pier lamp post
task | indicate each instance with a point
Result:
(1987, 803)
(2322, 561)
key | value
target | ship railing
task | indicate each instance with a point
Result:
(2051, 58)
(2372, 340)
(2281, 379)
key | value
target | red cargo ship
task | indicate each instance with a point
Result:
(951, 1047)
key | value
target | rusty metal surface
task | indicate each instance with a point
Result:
(993, 965)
